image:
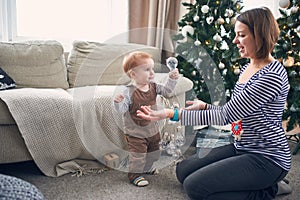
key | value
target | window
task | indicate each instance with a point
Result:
(69, 20)
(271, 4)
(63, 20)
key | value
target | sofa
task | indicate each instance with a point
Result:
(49, 80)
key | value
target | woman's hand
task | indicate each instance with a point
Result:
(147, 113)
(196, 105)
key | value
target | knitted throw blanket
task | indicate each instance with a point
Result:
(67, 130)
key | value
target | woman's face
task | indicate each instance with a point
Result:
(244, 40)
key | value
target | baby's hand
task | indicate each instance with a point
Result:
(118, 98)
(174, 74)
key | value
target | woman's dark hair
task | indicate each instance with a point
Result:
(264, 28)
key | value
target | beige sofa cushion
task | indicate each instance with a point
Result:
(36, 63)
(92, 63)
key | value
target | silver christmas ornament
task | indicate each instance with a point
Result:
(217, 38)
(298, 29)
(172, 63)
(284, 3)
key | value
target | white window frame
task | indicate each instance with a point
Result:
(8, 23)
(8, 20)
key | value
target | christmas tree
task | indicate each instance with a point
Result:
(205, 52)
(287, 51)
(207, 56)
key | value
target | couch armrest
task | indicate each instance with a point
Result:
(183, 85)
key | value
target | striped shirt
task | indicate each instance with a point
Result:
(259, 103)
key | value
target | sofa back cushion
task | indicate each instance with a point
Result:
(93, 63)
(35, 63)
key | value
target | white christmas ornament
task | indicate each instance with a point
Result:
(209, 19)
(197, 43)
(294, 9)
(221, 65)
(228, 12)
(196, 18)
(298, 29)
(217, 38)
(284, 3)
(236, 71)
(187, 29)
(205, 9)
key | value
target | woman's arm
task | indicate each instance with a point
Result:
(265, 89)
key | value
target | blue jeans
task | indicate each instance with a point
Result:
(227, 174)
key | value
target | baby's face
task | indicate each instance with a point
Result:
(144, 73)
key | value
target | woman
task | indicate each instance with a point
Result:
(255, 165)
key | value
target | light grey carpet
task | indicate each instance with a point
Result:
(112, 184)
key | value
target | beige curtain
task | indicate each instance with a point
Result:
(153, 22)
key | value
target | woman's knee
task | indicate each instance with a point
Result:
(179, 173)
(185, 168)
(194, 189)
(182, 170)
